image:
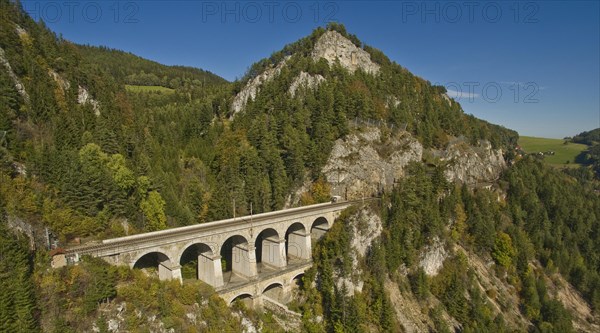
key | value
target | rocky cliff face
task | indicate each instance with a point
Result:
(433, 256)
(414, 315)
(84, 97)
(306, 81)
(472, 165)
(62, 83)
(366, 227)
(253, 87)
(332, 46)
(368, 161)
(116, 317)
(17, 83)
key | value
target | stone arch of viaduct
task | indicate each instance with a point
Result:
(270, 244)
(280, 241)
(284, 282)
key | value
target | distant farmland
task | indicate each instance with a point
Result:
(562, 152)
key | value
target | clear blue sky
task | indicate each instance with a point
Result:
(530, 66)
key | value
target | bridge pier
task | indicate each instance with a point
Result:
(299, 245)
(244, 260)
(209, 269)
(257, 301)
(286, 295)
(169, 271)
(273, 252)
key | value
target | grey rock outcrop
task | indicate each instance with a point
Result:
(20, 31)
(473, 165)
(392, 102)
(447, 99)
(63, 84)
(253, 87)
(366, 227)
(366, 162)
(332, 46)
(293, 199)
(16, 82)
(84, 97)
(305, 80)
(432, 258)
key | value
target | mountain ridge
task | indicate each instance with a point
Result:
(130, 68)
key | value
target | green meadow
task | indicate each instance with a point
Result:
(562, 152)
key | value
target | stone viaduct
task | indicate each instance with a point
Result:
(240, 257)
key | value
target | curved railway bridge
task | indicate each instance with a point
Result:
(240, 257)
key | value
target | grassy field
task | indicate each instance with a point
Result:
(148, 89)
(562, 152)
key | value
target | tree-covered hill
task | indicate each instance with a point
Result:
(88, 153)
(134, 70)
(588, 137)
(590, 158)
(394, 95)
(529, 238)
(103, 155)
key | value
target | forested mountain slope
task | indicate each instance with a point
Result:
(464, 238)
(107, 158)
(591, 156)
(130, 69)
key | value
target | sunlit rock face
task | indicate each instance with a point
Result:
(366, 162)
(306, 81)
(473, 165)
(252, 88)
(332, 46)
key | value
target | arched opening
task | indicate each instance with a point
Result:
(297, 282)
(243, 299)
(194, 261)
(150, 261)
(238, 263)
(155, 264)
(296, 286)
(275, 292)
(297, 243)
(269, 251)
(319, 228)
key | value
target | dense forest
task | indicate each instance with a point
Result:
(90, 159)
(131, 69)
(545, 218)
(589, 158)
